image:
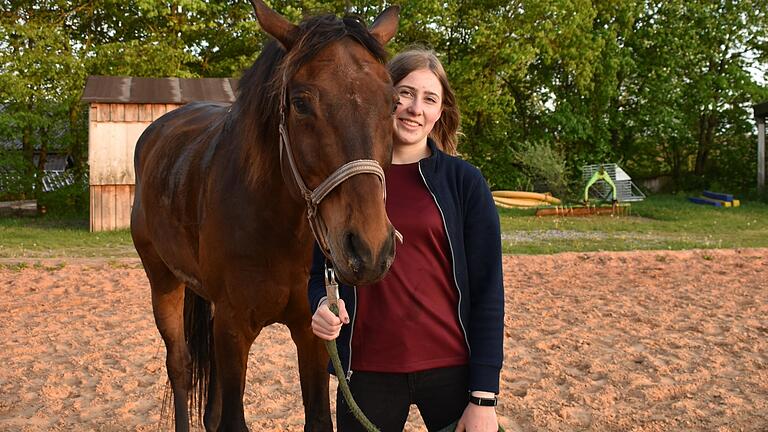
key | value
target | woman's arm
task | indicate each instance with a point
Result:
(482, 242)
(316, 283)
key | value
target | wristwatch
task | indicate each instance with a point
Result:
(483, 401)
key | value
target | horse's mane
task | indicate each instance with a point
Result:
(260, 87)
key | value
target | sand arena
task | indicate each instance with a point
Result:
(631, 341)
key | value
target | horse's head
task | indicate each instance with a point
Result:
(337, 108)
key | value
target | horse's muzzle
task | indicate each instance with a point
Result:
(357, 263)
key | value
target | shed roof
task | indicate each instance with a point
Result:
(158, 90)
(761, 110)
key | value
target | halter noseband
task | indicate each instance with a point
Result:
(314, 197)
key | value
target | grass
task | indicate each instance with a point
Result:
(68, 237)
(660, 222)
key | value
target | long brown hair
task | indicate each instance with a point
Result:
(446, 130)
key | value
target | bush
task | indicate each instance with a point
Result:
(543, 164)
(68, 201)
(14, 183)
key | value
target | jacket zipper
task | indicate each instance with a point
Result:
(453, 262)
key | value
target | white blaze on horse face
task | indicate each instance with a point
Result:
(354, 97)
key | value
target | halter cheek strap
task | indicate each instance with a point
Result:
(314, 197)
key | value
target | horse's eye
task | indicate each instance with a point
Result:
(395, 103)
(300, 106)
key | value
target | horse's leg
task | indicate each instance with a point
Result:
(233, 337)
(168, 308)
(212, 416)
(313, 363)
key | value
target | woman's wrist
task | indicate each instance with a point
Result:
(482, 398)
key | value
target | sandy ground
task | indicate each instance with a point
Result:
(636, 341)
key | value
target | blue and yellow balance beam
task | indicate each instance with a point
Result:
(716, 199)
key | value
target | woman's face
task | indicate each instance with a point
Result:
(420, 106)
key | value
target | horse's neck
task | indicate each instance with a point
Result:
(259, 160)
(258, 152)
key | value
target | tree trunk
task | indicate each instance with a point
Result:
(28, 151)
(707, 124)
(670, 150)
(77, 144)
(41, 161)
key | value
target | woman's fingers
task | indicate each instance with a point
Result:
(324, 335)
(343, 315)
(325, 324)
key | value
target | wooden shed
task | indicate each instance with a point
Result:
(761, 113)
(120, 109)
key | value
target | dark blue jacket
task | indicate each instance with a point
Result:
(474, 237)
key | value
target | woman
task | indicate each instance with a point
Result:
(430, 333)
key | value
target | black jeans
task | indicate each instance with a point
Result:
(385, 398)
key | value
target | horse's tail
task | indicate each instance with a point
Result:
(198, 332)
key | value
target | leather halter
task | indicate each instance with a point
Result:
(314, 197)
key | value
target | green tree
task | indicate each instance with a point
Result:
(39, 78)
(694, 85)
(664, 87)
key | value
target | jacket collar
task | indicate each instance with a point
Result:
(430, 162)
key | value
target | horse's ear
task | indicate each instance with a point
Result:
(275, 24)
(385, 25)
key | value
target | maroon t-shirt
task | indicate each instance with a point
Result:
(408, 321)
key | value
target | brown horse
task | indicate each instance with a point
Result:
(220, 224)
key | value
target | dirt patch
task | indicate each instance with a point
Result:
(630, 341)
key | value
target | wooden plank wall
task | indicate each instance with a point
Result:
(111, 207)
(118, 112)
(113, 131)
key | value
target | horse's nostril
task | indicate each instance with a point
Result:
(352, 245)
(387, 253)
(361, 260)
(386, 263)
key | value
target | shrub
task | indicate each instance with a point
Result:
(543, 164)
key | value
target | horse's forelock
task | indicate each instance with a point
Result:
(319, 31)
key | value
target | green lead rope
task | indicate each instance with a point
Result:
(343, 385)
(332, 292)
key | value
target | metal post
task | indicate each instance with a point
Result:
(761, 154)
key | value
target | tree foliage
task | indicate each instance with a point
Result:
(664, 87)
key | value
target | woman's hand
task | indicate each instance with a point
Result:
(478, 419)
(325, 324)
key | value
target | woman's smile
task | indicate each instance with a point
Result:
(410, 123)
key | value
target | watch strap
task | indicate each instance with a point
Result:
(483, 401)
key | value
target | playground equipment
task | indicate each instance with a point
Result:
(623, 189)
(600, 175)
(715, 199)
(606, 183)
